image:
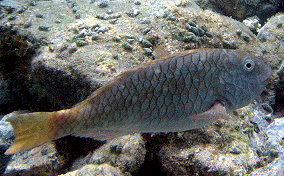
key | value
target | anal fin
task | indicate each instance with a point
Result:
(103, 134)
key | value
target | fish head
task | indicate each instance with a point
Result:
(242, 79)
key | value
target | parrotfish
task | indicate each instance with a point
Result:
(179, 92)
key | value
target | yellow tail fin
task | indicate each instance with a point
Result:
(31, 130)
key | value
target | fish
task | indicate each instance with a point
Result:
(178, 92)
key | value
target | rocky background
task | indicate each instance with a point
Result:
(54, 53)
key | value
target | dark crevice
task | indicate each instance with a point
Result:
(34, 86)
(16, 52)
(279, 98)
(278, 105)
(55, 89)
(241, 10)
(71, 148)
(152, 164)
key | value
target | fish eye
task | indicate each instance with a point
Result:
(249, 64)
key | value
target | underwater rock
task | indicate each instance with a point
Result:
(273, 169)
(6, 97)
(47, 85)
(126, 153)
(6, 132)
(279, 88)
(275, 133)
(103, 4)
(252, 23)
(258, 130)
(15, 53)
(4, 159)
(6, 138)
(43, 28)
(133, 13)
(27, 24)
(59, 76)
(102, 169)
(38, 161)
(208, 151)
(233, 147)
(230, 44)
(127, 47)
(148, 52)
(271, 36)
(245, 8)
(8, 8)
(81, 43)
(10, 3)
(272, 31)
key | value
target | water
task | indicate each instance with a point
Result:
(55, 53)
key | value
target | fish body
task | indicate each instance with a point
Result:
(176, 93)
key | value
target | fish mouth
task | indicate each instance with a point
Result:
(266, 86)
(266, 83)
(266, 78)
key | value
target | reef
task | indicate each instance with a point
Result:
(55, 53)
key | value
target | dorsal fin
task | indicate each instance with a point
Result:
(160, 52)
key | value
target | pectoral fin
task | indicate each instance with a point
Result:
(217, 111)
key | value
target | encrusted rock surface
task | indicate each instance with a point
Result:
(91, 169)
(252, 23)
(234, 147)
(275, 133)
(38, 161)
(271, 36)
(242, 9)
(6, 138)
(55, 53)
(78, 55)
(272, 33)
(126, 152)
(176, 25)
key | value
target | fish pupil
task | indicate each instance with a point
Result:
(248, 65)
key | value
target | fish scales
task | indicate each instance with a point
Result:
(170, 98)
(176, 93)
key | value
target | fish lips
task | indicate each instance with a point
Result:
(266, 80)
